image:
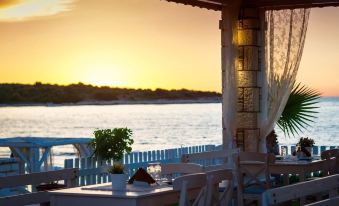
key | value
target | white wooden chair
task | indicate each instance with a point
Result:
(192, 187)
(329, 184)
(253, 175)
(332, 166)
(172, 170)
(213, 160)
(215, 178)
(328, 202)
(68, 175)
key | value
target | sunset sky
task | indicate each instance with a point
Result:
(139, 44)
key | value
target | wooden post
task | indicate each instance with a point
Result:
(21, 159)
(34, 157)
(43, 160)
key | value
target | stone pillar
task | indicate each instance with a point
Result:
(248, 71)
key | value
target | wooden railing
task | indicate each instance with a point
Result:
(329, 185)
(69, 177)
(9, 166)
(94, 171)
(316, 150)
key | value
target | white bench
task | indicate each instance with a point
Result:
(328, 184)
(68, 175)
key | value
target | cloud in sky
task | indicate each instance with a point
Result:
(8, 3)
(18, 10)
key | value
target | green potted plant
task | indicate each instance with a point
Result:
(111, 144)
(306, 145)
(306, 142)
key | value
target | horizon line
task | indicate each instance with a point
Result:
(118, 87)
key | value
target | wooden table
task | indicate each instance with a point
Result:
(85, 196)
(301, 168)
(28, 149)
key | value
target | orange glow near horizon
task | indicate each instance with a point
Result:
(138, 44)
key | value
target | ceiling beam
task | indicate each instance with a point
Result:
(216, 5)
(213, 1)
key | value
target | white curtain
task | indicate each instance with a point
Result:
(229, 106)
(284, 42)
(229, 75)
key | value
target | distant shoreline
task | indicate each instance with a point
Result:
(80, 94)
(119, 102)
(129, 102)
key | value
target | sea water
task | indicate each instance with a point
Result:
(155, 126)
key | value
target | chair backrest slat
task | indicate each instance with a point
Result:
(182, 168)
(252, 172)
(37, 178)
(194, 181)
(327, 202)
(256, 156)
(332, 165)
(327, 154)
(25, 199)
(220, 175)
(290, 192)
(68, 175)
(188, 182)
(252, 166)
(219, 159)
(214, 178)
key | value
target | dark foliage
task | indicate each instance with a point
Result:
(306, 142)
(57, 94)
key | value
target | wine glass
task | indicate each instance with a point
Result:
(157, 171)
(154, 169)
(283, 152)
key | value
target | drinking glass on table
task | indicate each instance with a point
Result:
(154, 169)
(283, 152)
(157, 169)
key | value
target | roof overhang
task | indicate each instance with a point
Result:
(216, 5)
(211, 5)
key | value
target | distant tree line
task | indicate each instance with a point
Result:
(74, 93)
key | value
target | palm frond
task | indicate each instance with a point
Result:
(299, 110)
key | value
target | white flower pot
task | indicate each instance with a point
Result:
(309, 149)
(119, 181)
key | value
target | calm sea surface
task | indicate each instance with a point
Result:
(154, 126)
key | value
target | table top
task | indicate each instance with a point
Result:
(291, 160)
(105, 190)
(40, 141)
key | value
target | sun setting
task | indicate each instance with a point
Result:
(101, 74)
